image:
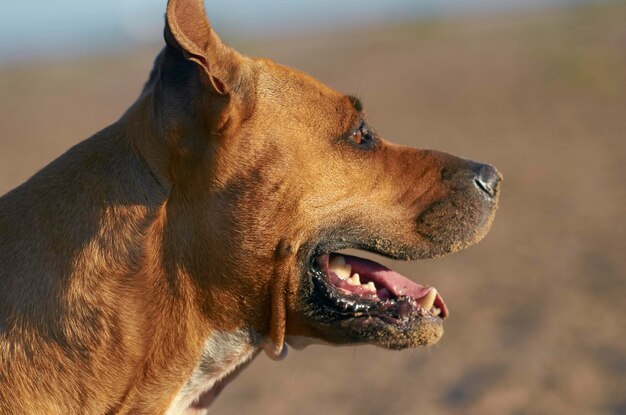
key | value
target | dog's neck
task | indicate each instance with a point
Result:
(209, 356)
(224, 356)
(169, 349)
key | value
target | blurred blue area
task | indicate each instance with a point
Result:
(43, 28)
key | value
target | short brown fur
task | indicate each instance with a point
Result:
(193, 214)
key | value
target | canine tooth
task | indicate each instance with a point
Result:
(428, 300)
(338, 266)
(354, 279)
(344, 273)
(337, 262)
(435, 311)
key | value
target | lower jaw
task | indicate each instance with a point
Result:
(393, 324)
(381, 331)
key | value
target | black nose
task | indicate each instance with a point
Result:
(487, 179)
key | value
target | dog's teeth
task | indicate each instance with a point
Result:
(370, 286)
(338, 266)
(344, 272)
(354, 280)
(337, 262)
(435, 311)
(428, 300)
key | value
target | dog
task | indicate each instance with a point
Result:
(147, 266)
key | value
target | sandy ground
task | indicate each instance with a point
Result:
(537, 309)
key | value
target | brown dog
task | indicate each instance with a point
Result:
(146, 266)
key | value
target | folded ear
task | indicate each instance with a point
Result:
(188, 30)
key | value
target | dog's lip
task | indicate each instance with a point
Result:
(390, 285)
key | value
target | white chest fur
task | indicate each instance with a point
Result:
(223, 353)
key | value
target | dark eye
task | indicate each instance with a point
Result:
(362, 135)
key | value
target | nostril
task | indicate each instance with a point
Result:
(487, 179)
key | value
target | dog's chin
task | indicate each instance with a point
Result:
(351, 300)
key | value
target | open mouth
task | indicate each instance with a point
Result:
(354, 287)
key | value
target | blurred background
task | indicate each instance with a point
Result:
(536, 88)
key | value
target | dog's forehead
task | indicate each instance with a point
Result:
(285, 92)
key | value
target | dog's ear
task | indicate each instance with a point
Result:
(188, 30)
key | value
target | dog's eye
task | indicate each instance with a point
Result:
(362, 135)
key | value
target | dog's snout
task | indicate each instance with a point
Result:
(487, 178)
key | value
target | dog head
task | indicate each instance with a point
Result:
(269, 173)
